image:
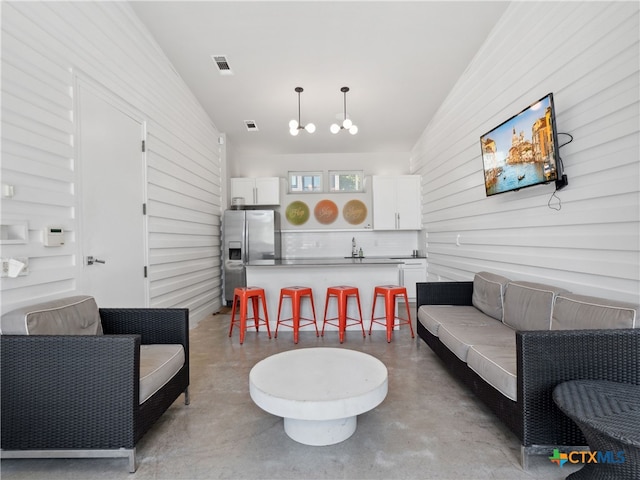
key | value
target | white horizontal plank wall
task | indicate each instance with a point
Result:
(587, 54)
(45, 47)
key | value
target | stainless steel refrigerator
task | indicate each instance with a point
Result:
(247, 235)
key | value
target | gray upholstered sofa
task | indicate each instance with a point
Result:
(512, 342)
(78, 381)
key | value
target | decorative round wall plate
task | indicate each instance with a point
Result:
(326, 212)
(297, 213)
(354, 212)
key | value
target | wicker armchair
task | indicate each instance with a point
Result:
(74, 396)
(544, 360)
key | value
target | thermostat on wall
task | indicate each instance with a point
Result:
(53, 237)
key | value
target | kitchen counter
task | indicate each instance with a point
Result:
(320, 273)
(305, 262)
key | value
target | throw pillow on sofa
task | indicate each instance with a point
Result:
(488, 293)
(528, 305)
(577, 312)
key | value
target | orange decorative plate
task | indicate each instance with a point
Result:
(325, 212)
(354, 212)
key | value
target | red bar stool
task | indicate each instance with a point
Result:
(242, 295)
(296, 294)
(342, 294)
(390, 293)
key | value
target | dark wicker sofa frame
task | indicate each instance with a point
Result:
(69, 396)
(544, 360)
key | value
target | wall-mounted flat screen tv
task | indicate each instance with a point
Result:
(522, 151)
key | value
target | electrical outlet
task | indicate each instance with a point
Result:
(4, 272)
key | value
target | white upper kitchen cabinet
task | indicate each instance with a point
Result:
(396, 202)
(256, 191)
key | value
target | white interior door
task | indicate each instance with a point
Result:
(112, 171)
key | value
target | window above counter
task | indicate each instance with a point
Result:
(346, 181)
(338, 181)
(305, 182)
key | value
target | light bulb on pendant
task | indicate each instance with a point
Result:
(347, 124)
(295, 125)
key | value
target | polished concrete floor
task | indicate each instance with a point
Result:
(428, 427)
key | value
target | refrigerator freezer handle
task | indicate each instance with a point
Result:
(245, 235)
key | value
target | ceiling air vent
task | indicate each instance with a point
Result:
(251, 125)
(222, 64)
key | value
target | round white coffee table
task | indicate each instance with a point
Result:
(318, 391)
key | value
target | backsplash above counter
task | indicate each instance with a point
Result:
(319, 244)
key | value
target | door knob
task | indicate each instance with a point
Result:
(91, 260)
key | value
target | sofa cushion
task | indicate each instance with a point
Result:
(488, 293)
(76, 315)
(158, 365)
(496, 365)
(459, 338)
(528, 306)
(576, 312)
(432, 316)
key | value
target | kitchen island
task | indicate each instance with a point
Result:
(364, 273)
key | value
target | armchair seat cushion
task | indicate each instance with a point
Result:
(158, 365)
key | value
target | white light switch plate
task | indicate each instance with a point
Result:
(5, 266)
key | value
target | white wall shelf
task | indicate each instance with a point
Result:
(14, 233)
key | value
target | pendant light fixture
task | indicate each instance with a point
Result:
(347, 124)
(296, 126)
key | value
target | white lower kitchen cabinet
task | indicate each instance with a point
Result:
(413, 270)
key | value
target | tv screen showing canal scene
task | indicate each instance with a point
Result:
(521, 152)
